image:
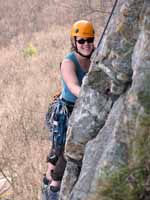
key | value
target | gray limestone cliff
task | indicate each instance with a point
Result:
(114, 104)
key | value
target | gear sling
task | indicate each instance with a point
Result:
(57, 117)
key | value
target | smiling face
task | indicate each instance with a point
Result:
(85, 45)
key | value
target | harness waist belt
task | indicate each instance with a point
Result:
(67, 102)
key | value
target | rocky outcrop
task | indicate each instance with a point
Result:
(104, 122)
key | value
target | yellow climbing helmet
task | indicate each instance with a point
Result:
(82, 28)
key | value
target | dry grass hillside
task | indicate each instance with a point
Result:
(33, 41)
(27, 83)
(19, 17)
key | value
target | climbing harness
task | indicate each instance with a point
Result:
(57, 121)
(59, 111)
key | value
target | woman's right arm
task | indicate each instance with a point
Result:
(68, 72)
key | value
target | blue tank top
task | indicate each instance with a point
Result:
(66, 93)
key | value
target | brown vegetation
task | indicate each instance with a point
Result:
(28, 82)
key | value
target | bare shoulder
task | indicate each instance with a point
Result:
(67, 65)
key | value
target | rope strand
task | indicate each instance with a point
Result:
(108, 21)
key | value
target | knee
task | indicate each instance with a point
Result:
(52, 158)
(58, 172)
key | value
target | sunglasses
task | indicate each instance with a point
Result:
(88, 40)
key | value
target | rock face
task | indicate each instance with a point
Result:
(103, 123)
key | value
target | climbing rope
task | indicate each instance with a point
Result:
(108, 21)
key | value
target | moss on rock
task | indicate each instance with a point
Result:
(144, 94)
